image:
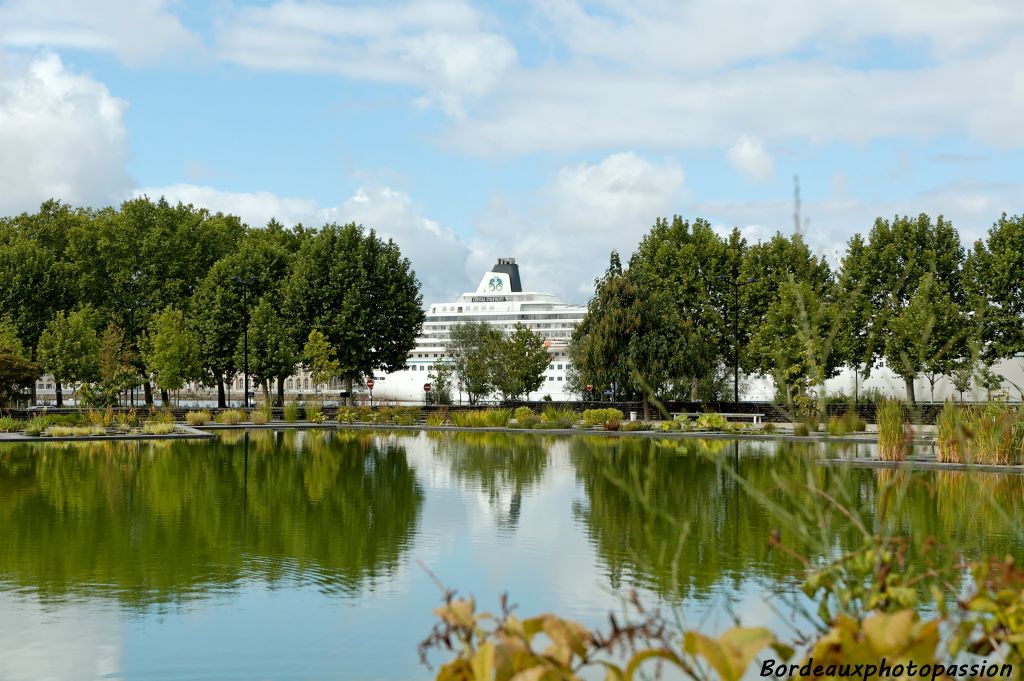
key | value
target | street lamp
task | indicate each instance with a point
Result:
(736, 285)
(245, 284)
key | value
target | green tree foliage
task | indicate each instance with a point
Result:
(928, 336)
(321, 358)
(117, 368)
(469, 351)
(16, 371)
(441, 382)
(629, 337)
(992, 275)
(890, 267)
(69, 349)
(170, 351)
(272, 351)
(517, 363)
(361, 293)
(694, 270)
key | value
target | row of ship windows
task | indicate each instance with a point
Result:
(525, 317)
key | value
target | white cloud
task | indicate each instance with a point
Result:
(749, 156)
(439, 46)
(563, 237)
(62, 136)
(135, 30)
(436, 253)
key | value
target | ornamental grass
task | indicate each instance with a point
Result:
(291, 412)
(949, 435)
(994, 434)
(231, 417)
(437, 418)
(314, 412)
(9, 424)
(893, 443)
(157, 428)
(198, 418)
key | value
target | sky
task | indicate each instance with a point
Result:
(551, 131)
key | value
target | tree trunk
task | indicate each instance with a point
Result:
(910, 390)
(694, 389)
(280, 390)
(647, 408)
(32, 396)
(221, 402)
(165, 398)
(60, 393)
(266, 392)
(147, 387)
(348, 389)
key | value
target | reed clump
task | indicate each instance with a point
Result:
(993, 434)
(231, 417)
(949, 435)
(893, 443)
(314, 412)
(481, 418)
(437, 418)
(291, 412)
(157, 428)
(198, 418)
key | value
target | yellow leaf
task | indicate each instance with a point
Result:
(889, 634)
(483, 662)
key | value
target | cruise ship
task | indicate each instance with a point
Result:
(500, 301)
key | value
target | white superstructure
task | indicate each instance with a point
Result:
(499, 301)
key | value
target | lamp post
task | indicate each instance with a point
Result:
(245, 284)
(736, 285)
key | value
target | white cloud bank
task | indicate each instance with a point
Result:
(62, 135)
(750, 157)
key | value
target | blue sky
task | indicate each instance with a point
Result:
(550, 130)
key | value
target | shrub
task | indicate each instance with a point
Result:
(437, 418)
(612, 425)
(853, 422)
(364, 414)
(161, 416)
(9, 424)
(593, 417)
(198, 418)
(523, 414)
(671, 425)
(291, 412)
(260, 417)
(892, 441)
(346, 415)
(314, 412)
(34, 427)
(231, 417)
(127, 420)
(157, 428)
(712, 421)
(800, 429)
(837, 425)
(634, 426)
(768, 428)
(558, 418)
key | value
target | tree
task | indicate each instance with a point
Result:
(117, 368)
(469, 350)
(272, 352)
(794, 341)
(890, 268)
(629, 336)
(992, 280)
(16, 371)
(69, 350)
(517, 363)
(361, 293)
(170, 351)
(928, 336)
(441, 383)
(321, 358)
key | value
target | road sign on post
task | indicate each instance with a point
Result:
(426, 392)
(369, 384)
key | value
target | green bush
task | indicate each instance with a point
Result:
(231, 417)
(157, 428)
(260, 417)
(346, 415)
(407, 416)
(670, 425)
(523, 414)
(291, 412)
(9, 424)
(553, 417)
(594, 417)
(712, 421)
(364, 414)
(634, 426)
(198, 418)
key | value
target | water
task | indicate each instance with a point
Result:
(305, 555)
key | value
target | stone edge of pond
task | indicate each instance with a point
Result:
(185, 433)
(925, 465)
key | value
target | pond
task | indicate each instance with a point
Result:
(314, 554)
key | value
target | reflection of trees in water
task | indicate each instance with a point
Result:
(164, 523)
(503, 465)
(670, 516)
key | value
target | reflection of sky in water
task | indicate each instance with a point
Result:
(477, 536)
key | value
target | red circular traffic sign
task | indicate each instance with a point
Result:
(426, 387)
(369, 383)
(590, 388)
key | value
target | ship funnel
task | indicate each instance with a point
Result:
(508, 266)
